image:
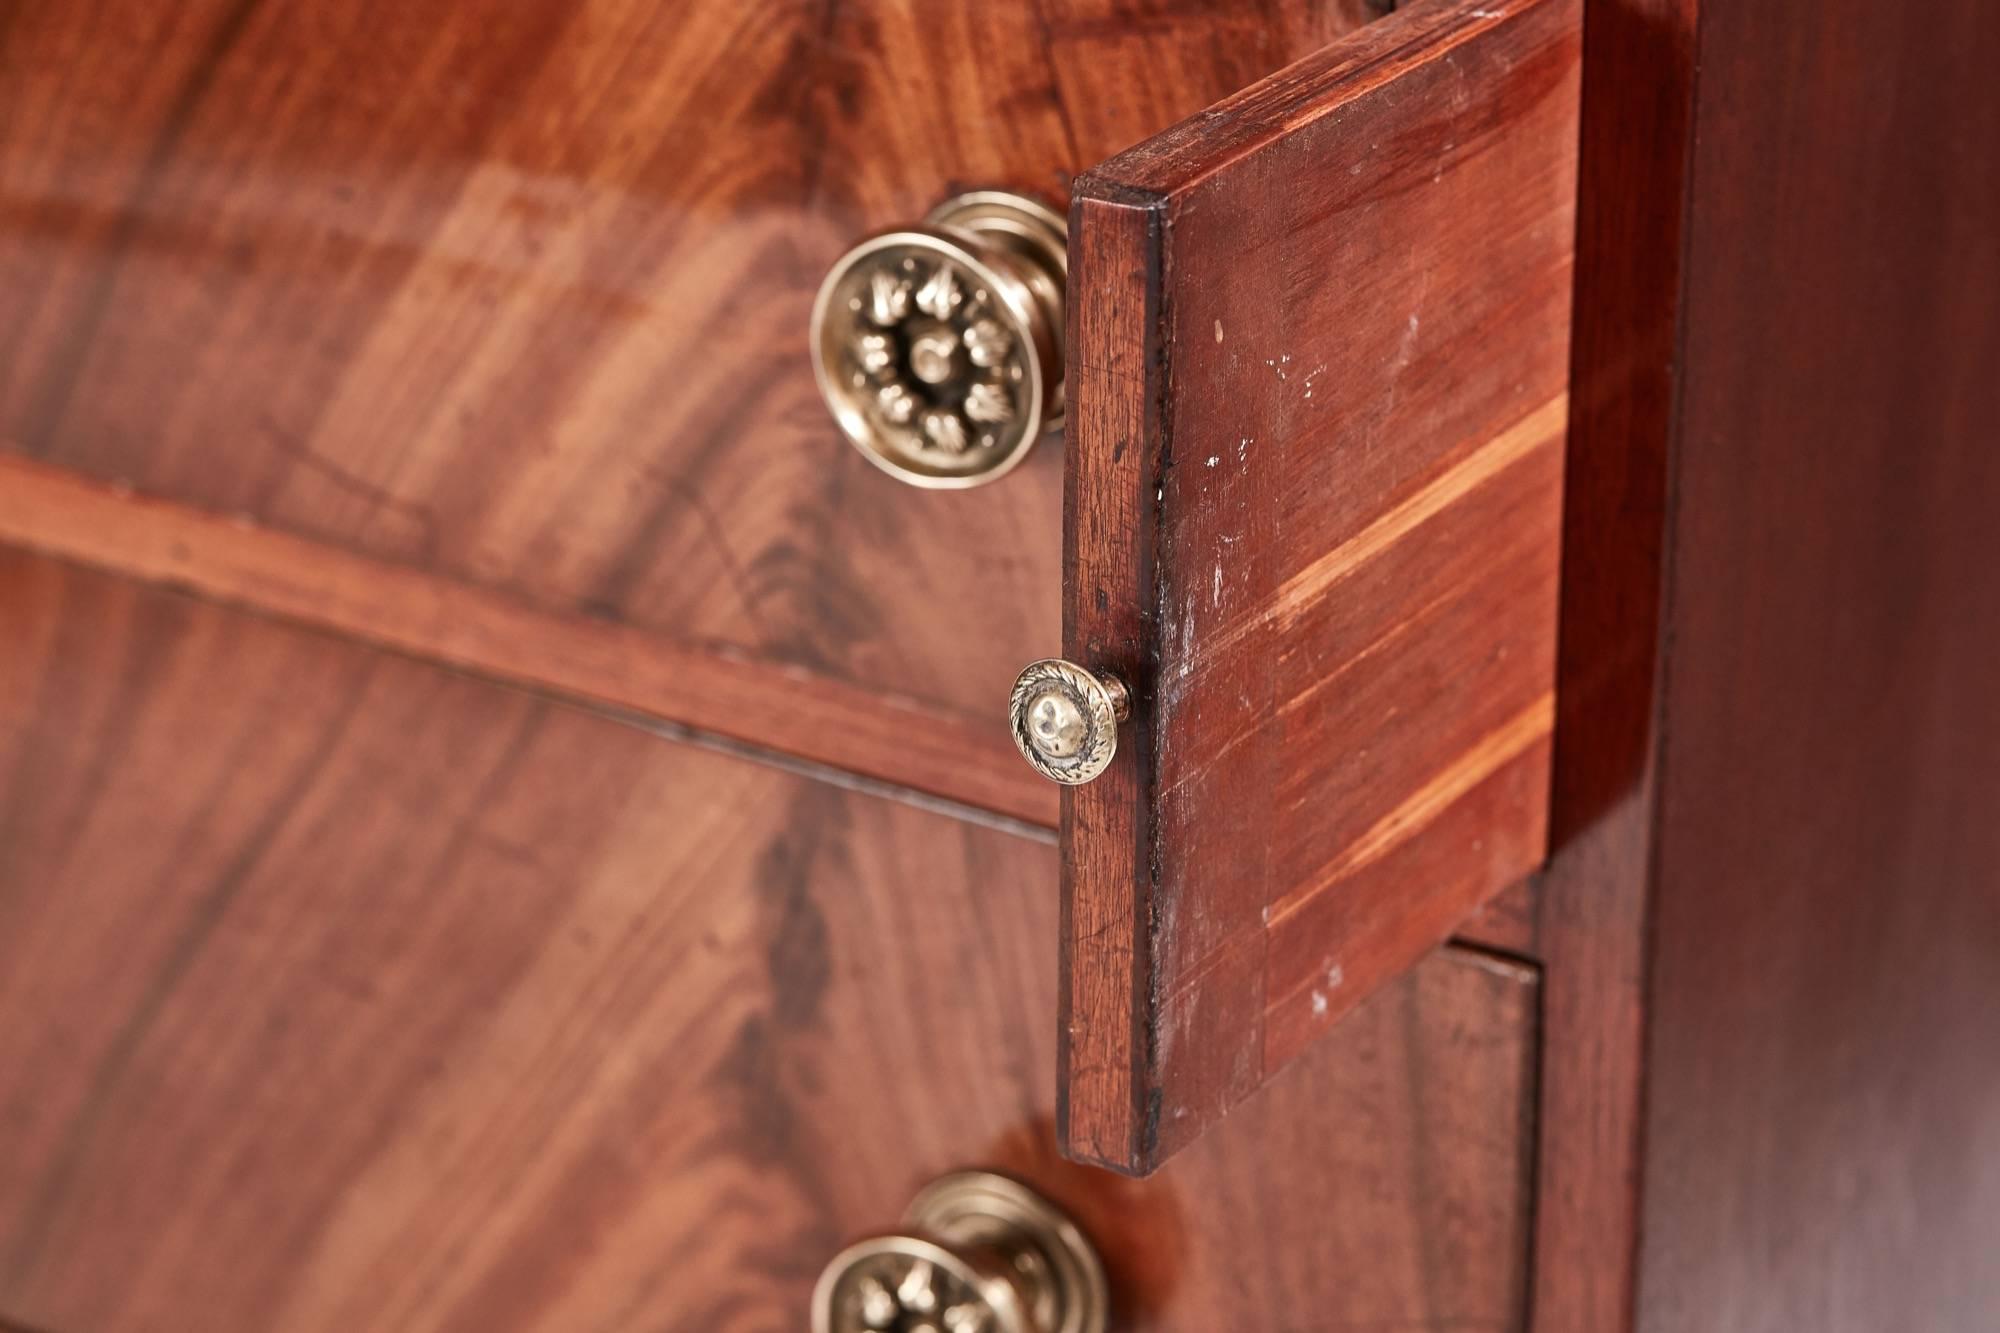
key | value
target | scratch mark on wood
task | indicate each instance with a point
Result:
(1545, 425)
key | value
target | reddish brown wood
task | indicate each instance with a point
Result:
(1310, 1246)
(1107, 960)
(1509, 924)
(871, 734)
(338, 991)
(1638, 89)
(319, 1010)
(874, 733)
(1775, 764)
(1320, 337)
(1823, 1053)
(515, 292)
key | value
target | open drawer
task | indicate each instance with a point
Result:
(1319, 341)
(536, 405)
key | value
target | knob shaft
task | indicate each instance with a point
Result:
(978, 1253)
(939, 346)
(1065, 719)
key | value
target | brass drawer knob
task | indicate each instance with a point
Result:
(1065, 719)
(978, 1253)
(939, 346)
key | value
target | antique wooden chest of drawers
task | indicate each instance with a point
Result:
(515, 815)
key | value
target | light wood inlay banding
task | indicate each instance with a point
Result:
(1531, 726)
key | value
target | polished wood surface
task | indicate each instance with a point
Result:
(1823, 1053)
(933, 750)
(1772, 926)
(514, 294)
(1638, 94)
(339, 991)
(1321, 343)
(342, 990)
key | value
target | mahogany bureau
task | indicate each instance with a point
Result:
(998, 667)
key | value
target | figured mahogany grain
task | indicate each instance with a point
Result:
(873, 733)
(339, 991)
(1320, 348)
(515, 292)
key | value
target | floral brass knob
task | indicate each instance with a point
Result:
(939, 346)
(979, 1253)
(1065, 719)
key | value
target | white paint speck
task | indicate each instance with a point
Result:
(1218, 330)
(1335, 976)
(1407, 348)
(1213, 459)
(1215, 588)
(1319, 1004)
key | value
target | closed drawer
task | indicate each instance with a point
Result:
(338, 991)
(517, 294)
(481, 335)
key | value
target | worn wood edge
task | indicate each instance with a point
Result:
(1104, 1116)
(884, 738)
(1323, 84)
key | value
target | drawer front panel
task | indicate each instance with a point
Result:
(1316, 461)
(339, 991)
(517, 291)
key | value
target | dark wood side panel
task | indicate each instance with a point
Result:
(338, 991)
(1775, 881)
(1823, 1076)
(515, 293)
(1315, 499)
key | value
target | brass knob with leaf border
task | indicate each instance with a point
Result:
(1065, 719)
